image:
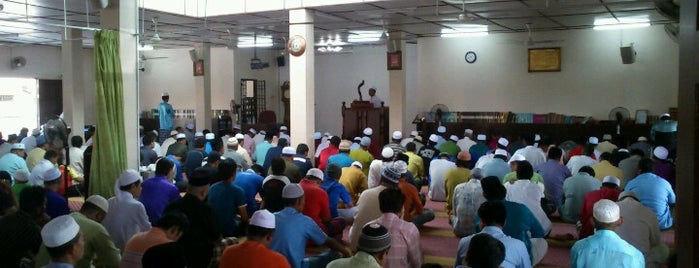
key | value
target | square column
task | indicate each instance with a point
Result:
(73, 86)
(202, 88)
(302, 75)
(396, 85)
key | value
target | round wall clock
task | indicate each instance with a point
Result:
(470, 57)
(297, 45)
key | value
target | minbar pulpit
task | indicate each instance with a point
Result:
(362, 114)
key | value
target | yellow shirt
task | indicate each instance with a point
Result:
(355, 181)
(604, 168)
(34, 157)
(453, 178)
(415, 165)
(363, 157)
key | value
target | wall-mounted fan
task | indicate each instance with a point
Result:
(438, 111)
(619, 114)
(18, 62)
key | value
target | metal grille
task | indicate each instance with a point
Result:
(252, 99)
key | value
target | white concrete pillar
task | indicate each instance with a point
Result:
(122, 16)
(302, 80)
(73, 86)
(202, 89)
(396, 86)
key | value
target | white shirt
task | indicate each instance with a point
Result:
(126, 217)
(532, 154)
(166, 144)
(29, 143)
(35, 177)
(529, 194)
(484, 160)
(578, 161)
(465, 143)
(640, 227)
(89, 142)
(375, 169)
(158, 149)
(438, 171)
(245, 154)
(376, 101)
(76, 161)
(367, 210)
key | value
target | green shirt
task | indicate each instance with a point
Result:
(512, 176)
(364, 157)
(361, 259)
(449, 147)
(17, 188)
(453, 178)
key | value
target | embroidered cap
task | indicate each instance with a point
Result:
(397, 135)
(660, 152)
(374, 238)
(606, 211)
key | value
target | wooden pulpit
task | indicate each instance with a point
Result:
(362, 114)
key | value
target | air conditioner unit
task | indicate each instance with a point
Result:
(257, 64)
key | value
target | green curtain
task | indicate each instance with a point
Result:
(109, 142)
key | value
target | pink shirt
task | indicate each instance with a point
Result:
(405, 242)
(139, 243)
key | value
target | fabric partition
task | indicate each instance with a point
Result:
(109, 142)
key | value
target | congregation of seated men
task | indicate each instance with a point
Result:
(248, 199)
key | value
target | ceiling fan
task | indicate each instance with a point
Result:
(530, 41)
(156, 36)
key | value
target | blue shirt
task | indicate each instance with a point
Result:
(225, 199)
(251, 183)
(341, 159)
(605, 249)
(336, 191)
(554, 173)
(520, 223)
(156, 193)
(56, 204)
(178, 167)
(516, 255)
(273, 152)
(476, 151)
(58, 265)
(12, 162)
(165, 115)
(261, 152)
(193, 160)
(655, 193)
(496, 167)
(292, 234)
(303, 163)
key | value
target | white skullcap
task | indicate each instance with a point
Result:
(236, 126)
(174, 132)
(357, 139)
(366, 141)
(434, 138)
(283, 128)
(504, 142)
(292, 190)
(372, 87)
(517, 157)
(129, 176)
(263, 218)
(316, 173)
(155, 132)
(51, 174)
(593, 140)
(623, 150)
(397, 135)
(189, 126)
(210, 136)
(441, 129)
(665, 115)
(239, 136)
(357, 164)
(642, 138)
(317, 136)
(288, 150)
(400, 166)
(36, 131)
(21, 175)
(198, 134)
(627, 194)
(480, 137)
(660, 152)
(606, 137)
(611, 179)
(537, 137)
(59, 231)
(387, 152)
(98, 201)
(18, 146)
(368, 131)
(500, 152)
(468, 131)
(181, 136)
(454, 138)
(165, 94)
(414, 133)
(262, 132)
(606, 211)
(232, 141)
(252, 130)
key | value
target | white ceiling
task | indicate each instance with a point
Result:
(40, 21)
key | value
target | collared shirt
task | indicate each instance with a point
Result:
(536, 178)
(375, 169)
(12, 162)
(364, 157)
(316, 205)
(465, 144)
(604, 168)
(516, 255)
(125, 218)
(252, 254)
(336, 192)
(34, 157)
(451, 179)
(529, 194)
(226, 199)
(56, 204)
(139, 243)
(405, 242)
(589, 201)
(303, 163)
(326, 154)
(521, 224)
(261, 152)
(655, 193)
(415, 165)
(291, 237)
(156, 193)
(468, 197)
(252, 185)
(554, 173)
(574, 190)
(354, 181)
(165, 115)
(578, 161)
(367, 210)
(438, 169)
(605, 249)
(496, 167)
(360, 259)
(640, 227)
(199, 240)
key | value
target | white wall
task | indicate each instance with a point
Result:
(592, 81)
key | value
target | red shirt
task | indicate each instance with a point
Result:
(412, 205)
(325, 154)
(317, 206)
(586, 211)
(252, 254)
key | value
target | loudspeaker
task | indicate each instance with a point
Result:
(281, 61)
(193, 55)
(628, 54)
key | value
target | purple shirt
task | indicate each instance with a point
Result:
(56, 204)
(554, 173)
(157, 192)
(666, 171)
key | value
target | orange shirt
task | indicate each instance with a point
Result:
(252, 254)
(412, 205)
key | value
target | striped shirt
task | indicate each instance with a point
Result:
(405, 242)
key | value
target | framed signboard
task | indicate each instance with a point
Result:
(545, 59)
(198, 68)
(394, 60)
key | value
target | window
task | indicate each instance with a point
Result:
(19, 107)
